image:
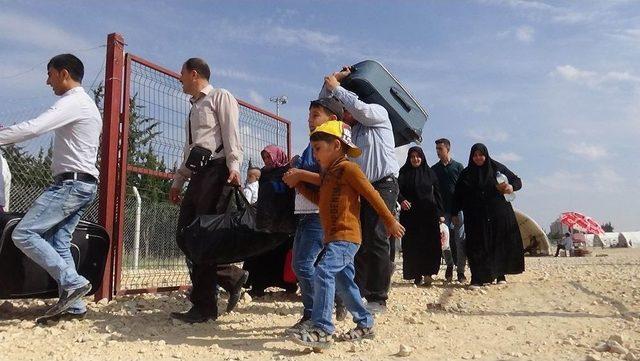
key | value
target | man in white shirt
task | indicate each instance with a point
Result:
(44, 233)
(566, 244)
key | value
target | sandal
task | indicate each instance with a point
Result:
(315, 337)
(358, 333)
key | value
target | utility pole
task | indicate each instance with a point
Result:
(279, 100)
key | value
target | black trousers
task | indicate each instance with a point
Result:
(201, 197)
(373, 260)
(559, 247)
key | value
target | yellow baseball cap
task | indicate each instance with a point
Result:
(342, 131)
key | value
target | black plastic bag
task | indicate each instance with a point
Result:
(276, 202)
(229, 236)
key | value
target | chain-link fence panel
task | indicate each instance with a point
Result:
(158, 110)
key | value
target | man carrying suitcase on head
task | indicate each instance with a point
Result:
(44, 233)
(372, 132)
(213, 139)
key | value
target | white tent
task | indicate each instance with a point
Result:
(588, 239)
(607, 239)
(629, 239)
(529, 229)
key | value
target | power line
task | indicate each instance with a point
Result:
(42, 62)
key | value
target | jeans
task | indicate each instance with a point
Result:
(334, 274)
(44, 233)
(457, 241)
(373, 261)
(307, 245)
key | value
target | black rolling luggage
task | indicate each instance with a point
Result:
(20, 277)
(373, 83)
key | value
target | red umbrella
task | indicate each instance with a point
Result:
(581, 222)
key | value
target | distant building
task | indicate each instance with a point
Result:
(559, 229)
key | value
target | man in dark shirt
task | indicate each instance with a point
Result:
(448, 171)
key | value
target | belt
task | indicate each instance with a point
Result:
(216, 161)
(389, 178)
(84, 177)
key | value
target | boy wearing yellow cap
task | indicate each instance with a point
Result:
(342, 185)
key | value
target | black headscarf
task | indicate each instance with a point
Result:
(484, 176)
(420, 177)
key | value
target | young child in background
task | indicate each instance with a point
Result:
(252, 186)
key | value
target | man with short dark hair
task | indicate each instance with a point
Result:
(565, 244)
(448, 171)
(212, 124)
(44, 233)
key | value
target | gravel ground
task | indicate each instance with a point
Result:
(559, 309)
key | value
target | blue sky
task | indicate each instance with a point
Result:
(551, 87)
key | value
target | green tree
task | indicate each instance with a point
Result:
(143, 131)
(607, 227)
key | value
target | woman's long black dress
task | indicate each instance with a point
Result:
(493, 242)
(274, 215)
(421, 248)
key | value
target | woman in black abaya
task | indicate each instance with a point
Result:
(493, 244)
(421, 214)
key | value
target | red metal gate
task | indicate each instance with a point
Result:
(144, 117)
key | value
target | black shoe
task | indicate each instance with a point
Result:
(341, 313)
(236, 292)
(64, 316)
(418, 281)
(256, 293)
(192, 316)
(462, 278)
(291, 289)
(66, 299)
(448, 274)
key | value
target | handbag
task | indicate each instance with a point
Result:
(198, 158)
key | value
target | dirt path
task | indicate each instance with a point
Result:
(559, 309)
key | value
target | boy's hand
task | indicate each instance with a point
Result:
(331, 82)
(405, 205)
(396, 230)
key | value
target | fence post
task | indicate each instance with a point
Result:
(109, 154)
